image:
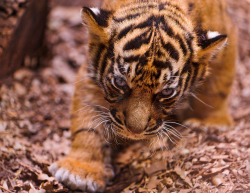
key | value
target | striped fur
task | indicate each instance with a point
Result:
(152, 46)
(145, 56)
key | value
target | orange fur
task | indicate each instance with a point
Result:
(90, 157)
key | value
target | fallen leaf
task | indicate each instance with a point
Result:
(155, 167)
(218, 180)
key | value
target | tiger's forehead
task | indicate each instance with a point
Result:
(144, 70)
(152, 41)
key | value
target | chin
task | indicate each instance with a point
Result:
(125, 134)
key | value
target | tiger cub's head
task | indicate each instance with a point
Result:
(145, 58)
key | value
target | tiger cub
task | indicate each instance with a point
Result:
(145, 57)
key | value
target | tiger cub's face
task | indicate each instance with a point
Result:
(145, 60)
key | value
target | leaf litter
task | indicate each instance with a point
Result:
(35, 122)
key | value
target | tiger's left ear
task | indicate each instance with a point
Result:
(96, 20)
(210, 43)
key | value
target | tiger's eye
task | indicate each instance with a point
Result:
(167, 92)
(120, 82)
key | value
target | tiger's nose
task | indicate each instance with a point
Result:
(136, 124)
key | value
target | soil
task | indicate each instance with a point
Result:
(35, 122)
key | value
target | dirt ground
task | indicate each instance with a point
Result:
(35, 121)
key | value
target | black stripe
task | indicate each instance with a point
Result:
(138, 41)
(153, 129)
(131, 59)
(162, 65)
(127, 17)
(138, 69)
(177, 22)
(180, 83)
(99, 50)
(172, 51)
(176, 7)
(84, 130)
(186, 67)
(195, 73)
(183, 47)
(165, 27)
(170, 33)
(169, 102)
(103, 18)
(111, 100)
(142, 8)
(191, 6)
(103, 66)
(146, 23)
(117, 125)
(124, 32)
(111, 87)
(187, 82)
(151, 133)
(161, 7)
(207, 42)
(159, 53)
(165, 112)
(143, 60)
(158, 124)
(114, 113)
(202, 76)
(189, 40)
(108, 55)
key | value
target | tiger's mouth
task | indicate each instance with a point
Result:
(126, 133)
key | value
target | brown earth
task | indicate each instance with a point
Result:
(35, 121)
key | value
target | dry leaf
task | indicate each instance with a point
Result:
(155, 167)
(218, 180)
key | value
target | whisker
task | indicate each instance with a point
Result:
(104, 121)
(162, 145)
(101, 107)
(107, 131)
(176, 77)
(115, 136)
(166, 133)
(174, 134)
(201, 101)
(175, 130)
(81, 108)
(177, 124)
(182, 136)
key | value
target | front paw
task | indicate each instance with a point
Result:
(220, 124)
(86, 176)
(194, 123)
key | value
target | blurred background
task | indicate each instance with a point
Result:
(42, 44)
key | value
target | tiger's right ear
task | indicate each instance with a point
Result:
(96, 21)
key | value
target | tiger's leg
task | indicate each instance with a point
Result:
(88, 165)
